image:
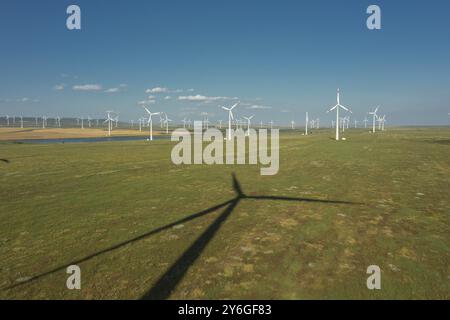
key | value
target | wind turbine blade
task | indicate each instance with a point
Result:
(148, 111)
(231, 114)
(345, 108)
(332, 108)
(234, 105)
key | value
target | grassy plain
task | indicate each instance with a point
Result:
(138, 226)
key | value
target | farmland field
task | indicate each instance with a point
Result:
(141, 227)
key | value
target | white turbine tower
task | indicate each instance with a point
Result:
(21, 122)
(184, 123)
(150, 122)
(292, 124)
(230, 117)
(374, 113)
(306, 124)
(337, 107)
(248, 123)
(365, 122)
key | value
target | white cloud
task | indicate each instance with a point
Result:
(87, 87)
(58, 87)
(258, 107)
(112, 90)
(157, 90)
(146, 102)
(167, 97)
(201, 98)
(120, 88)
(24, 100)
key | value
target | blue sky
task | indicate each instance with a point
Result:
(280, 58)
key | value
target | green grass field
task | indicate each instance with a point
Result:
(104, 206)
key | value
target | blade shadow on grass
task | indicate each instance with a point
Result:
(170, 279)
(122, 244)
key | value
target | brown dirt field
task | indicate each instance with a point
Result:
(64, 133)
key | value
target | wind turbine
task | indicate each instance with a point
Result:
(337, 107)
(230, 117)
(189, 123)
(44, 121)
(150, 122)
(89, 121)
(167, 120)
(109, 120)
(21, 122)
(7, 120)
(383, 120)
(220, 124)
(292, 124)
(271, 124)
(374, 113)
(248, 123)
(184, 123)
(365, 122)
